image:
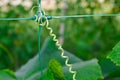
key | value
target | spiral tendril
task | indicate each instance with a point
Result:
(46, 23)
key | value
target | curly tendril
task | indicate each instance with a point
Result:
(43, 21)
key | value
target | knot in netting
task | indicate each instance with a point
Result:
(41, 19)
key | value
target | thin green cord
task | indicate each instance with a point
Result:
(82, 16)
(39, 6)
(32, 18)
(39, 2)
(39, 53)
(57, 17)
(39, 34)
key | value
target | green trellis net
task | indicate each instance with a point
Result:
(40, 14)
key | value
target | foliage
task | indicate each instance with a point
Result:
(30, 70)
(94, 36)
(115, 54)
(86, 38)
(7, 75)
(87, 70)
(54, 71)
(109, 69)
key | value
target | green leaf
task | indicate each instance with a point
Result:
(89, 70)
(54, 71)
(7, 75)
(115, 54)
(109, 69)
(48, 51)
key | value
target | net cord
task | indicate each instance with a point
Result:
(85, 16)
(39, 50)
(59, 17)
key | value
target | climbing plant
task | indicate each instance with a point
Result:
(85, 67)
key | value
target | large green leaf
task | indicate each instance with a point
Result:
(109, 69)
(89, 70)
(48, 51)
(115, 54)
(7, 75)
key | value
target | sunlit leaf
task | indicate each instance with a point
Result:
(115, 54)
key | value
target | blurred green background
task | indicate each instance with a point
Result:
(87, 38)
